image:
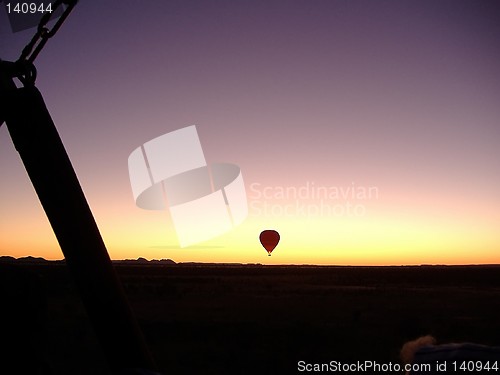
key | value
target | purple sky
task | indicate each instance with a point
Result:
(403, 95)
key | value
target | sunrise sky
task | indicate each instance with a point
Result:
(367, 132)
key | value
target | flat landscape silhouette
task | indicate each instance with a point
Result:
(248, 319)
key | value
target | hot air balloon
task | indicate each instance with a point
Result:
(269, 239)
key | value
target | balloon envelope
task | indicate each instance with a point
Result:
(269, 239)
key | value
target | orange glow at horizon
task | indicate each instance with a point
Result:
(378, 238)
(397, 225)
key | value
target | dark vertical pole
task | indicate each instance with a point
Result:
(49, 168)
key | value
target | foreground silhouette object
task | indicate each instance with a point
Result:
(426, 357)
(48, 166)
(269, 239)
(36, 139)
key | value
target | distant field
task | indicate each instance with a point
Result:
(264, 319)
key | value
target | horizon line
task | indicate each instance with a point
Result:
(173, 263)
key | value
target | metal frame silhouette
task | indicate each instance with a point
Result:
(50, 170)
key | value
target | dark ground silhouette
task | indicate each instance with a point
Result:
(256, 319)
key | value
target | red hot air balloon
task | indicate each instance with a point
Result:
(269, 239)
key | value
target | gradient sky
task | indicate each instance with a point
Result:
(398, 96)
